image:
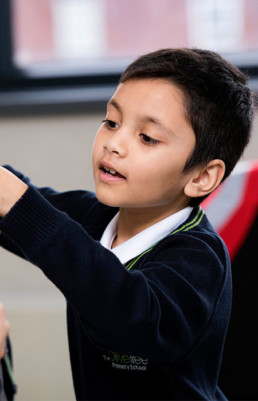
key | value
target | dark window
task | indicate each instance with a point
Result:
(69, 54)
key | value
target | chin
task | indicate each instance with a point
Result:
(106, 200)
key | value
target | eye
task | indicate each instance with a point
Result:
(110, 124)
(147, 140)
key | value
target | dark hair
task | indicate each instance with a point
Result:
(218, 103)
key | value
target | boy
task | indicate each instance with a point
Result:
(146, 278)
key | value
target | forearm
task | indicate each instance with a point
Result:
(11, 190)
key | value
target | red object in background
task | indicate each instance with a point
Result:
(233, 207)
(233, 211)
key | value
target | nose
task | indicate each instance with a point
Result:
(116, 144)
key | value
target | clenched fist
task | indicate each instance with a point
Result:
(11, 190)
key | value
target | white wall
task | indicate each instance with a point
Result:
(53, 151)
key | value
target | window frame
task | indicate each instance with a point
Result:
(24, 91)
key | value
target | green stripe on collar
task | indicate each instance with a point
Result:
(188, 226)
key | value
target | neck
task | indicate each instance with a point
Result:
(132, 221)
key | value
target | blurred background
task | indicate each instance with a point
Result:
(60, 61)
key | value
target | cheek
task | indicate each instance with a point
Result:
(151, 177)
(96, 148)
(155, 171)
(157, 177)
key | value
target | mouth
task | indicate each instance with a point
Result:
(110, 171)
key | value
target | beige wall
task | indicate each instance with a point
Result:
(53, 151)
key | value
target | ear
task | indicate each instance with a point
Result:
(205, 179)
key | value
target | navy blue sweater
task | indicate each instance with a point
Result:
(154, 332)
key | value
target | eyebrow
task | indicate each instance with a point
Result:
(113, 102)
(148, 119)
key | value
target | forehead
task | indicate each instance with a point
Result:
(150, 90)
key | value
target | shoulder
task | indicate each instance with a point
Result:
(193, 252)
(196, 235)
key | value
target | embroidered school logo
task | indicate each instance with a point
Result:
(126, 362)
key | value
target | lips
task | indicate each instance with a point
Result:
(109, 170)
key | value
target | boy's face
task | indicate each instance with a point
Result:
(142, 146)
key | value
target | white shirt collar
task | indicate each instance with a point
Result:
(143, 240)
